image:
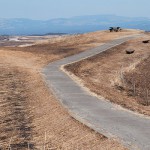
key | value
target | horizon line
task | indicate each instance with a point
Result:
(75, 17)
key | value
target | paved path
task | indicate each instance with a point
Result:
(102, 116)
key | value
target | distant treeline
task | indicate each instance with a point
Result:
(48, 34)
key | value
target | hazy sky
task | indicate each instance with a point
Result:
(47, 9)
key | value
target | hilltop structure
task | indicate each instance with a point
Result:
(115, 29)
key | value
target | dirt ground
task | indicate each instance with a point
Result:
(138, 82)
(119, 77)
(30, 116)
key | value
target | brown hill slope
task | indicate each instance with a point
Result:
(30, 114)
(119, 77)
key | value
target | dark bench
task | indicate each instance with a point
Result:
(115, 29)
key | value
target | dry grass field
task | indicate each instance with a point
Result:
(122, 78)
(30, 116)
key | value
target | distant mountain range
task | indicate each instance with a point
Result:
(78, 24)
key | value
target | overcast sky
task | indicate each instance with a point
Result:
(48, 9)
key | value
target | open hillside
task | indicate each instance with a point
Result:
(119, 77)
(30, 115)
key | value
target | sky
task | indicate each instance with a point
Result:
(48, 9)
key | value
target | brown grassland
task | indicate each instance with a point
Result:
(30, 116)
(122, 78)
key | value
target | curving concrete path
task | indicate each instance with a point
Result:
(102, 116)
